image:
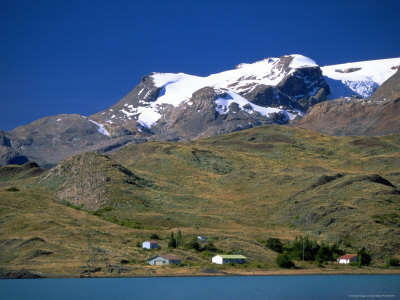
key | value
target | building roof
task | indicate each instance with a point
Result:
(151, 242)
(232, 256)
(170, 257)
(347, 256)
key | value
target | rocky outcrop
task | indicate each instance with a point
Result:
(22, 274)
(119, 119)
(299, 91)
(201, 119)
(8, 155)
(376, 115)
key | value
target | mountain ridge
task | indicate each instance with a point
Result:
(166, 106)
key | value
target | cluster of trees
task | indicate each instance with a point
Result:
(174, 242)
(303, 248)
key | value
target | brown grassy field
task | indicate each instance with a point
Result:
(239, 189)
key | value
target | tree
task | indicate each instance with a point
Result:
(172, 241)
(179, 238)
(336, 251)
(364, 258)
(303, 248)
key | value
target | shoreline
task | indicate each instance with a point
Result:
(158, 273)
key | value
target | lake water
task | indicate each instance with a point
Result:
(204, 288)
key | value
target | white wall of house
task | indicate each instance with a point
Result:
(226, 259)
(347, 260)
(149, 245)
(158, 261)
(217, 260)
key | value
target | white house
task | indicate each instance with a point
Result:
(150, 245)
(164, 259)
(202, 238)
(347, 258)
(226, 259)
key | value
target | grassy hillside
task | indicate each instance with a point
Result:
(237, 189)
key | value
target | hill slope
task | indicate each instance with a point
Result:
(237, 189)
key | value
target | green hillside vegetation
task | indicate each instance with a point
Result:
(238, 189)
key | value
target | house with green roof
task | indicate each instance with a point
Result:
(222, 259)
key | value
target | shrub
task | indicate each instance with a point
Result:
(283, 260)
(154, 236)
(12, 189)
(193, 245)
(209, 247)
(394, 262)
(274, 244)
(206, 254)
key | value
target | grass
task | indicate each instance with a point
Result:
(236, 189)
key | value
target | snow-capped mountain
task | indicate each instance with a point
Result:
(274, 90)
(166, 106)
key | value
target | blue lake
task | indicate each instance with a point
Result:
(248, 288)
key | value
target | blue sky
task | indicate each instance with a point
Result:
(81, 56)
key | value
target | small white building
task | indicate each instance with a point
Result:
(164, 259)
(202, 238)
(347, 258)
(226, 259)
(150, 245)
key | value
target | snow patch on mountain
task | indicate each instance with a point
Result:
(300, 61)
(223, 103)
(358, 78)
(101, 128)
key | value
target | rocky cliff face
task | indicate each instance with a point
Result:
(8, 155)
(376, 115)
